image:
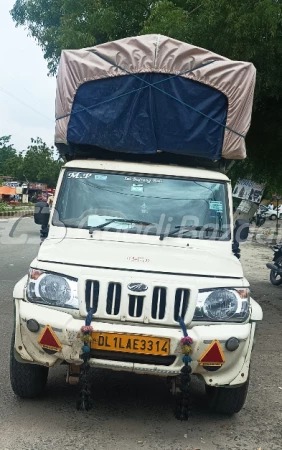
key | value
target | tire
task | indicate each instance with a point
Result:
(272, 217)
(227, 400)
(274, 277)
(27, 380)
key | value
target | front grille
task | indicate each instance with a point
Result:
(92, 295)
(113, 299)
(135, 305)
(133, 358)
(158, 303)
(181, 303)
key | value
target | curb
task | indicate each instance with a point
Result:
(27, 212)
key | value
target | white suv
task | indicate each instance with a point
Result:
(272, 213)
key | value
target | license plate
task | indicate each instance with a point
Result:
(130, 343)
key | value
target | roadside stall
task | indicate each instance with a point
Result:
(7, 194)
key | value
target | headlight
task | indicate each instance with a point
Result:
(222, 305)
(52, 289)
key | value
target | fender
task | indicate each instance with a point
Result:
(256, 311)
(19, 289)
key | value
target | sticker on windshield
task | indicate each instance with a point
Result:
(143, 180)
(101, 177)
(216, 206)
(77, 175)
(137, 188)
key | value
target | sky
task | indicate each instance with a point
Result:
(24, 85)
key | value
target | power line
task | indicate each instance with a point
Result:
(25, 104)
(23, 87)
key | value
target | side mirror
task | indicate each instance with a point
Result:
(41, 213)
(241, 230)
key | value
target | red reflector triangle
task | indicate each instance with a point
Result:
(49, 340)
(213, 355)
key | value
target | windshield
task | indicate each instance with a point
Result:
(143, 204)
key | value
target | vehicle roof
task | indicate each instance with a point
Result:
(146, 168)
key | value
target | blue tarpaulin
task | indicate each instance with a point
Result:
(148, 120)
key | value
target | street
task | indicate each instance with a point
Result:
(130, 411)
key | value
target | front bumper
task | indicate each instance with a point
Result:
(234, 371)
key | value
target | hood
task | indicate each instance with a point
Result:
(142, 257)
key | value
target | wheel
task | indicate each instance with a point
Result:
(276, 278)
(27, 380)
(227, 400)
(272, 217)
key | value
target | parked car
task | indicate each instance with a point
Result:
(272, 213)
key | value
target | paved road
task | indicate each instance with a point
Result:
(133, 412)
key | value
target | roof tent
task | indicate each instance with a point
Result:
(146, 94)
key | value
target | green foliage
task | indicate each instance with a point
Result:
(252, 31)
(249, 30)
(58, 24)
(7, 152)
(3, 207)
(169, 20)
(38, 163)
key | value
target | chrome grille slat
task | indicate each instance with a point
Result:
(113, 299)
(181, 303)
(92, 290)
(135, 308)
(113, 302)
(91, 295)
(158, 303)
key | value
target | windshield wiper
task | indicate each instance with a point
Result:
(103, 225)
(185, 230)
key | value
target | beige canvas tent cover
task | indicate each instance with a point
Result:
(160, 54)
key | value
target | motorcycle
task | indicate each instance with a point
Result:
(276, 268)
(259, 218)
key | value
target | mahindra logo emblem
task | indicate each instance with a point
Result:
(137, 287)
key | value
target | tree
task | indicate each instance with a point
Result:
(249, 30)
(58, 24)
(168, 19)
(40, 163)
(7, 152)
(14, 167)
